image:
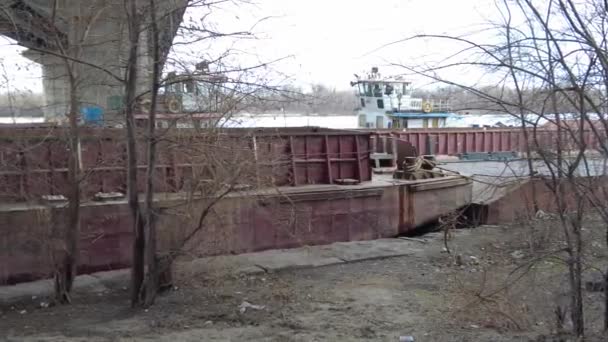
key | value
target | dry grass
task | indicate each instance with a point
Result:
(489, 304)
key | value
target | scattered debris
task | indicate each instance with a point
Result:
(44, 305)
(406, 338)
(107, 196)
(53, 198)
(488, 226)
(346, 181)
(246, 305)
(239, 187)
(367, 333)
(458, 260)
(541, 215)
(517, 254)
(414, 239)
(22, 312)
(594, 286)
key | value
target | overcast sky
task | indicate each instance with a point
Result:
(326, 40)
(332, 39)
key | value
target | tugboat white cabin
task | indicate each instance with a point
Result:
(388, 103)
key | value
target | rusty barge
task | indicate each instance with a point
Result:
(319, 189)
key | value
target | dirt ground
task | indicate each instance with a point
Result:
(432, 296)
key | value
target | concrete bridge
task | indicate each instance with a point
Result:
(94, 31)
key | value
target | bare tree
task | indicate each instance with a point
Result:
(548, 56)
(218, 93)
(144, 42)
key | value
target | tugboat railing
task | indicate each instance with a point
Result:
(425, 105)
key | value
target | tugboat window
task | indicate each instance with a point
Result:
(388, 90)
(380, 103)
(189, 87)
(362, 103)
(361, 89)
(368, 89)
(377, 90)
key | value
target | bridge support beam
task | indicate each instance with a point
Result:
(97, 33)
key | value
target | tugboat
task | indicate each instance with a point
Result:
(188, 100)
(388, 103)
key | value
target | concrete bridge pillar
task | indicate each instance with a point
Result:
(96, 32)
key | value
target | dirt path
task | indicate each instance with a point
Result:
(431, 296)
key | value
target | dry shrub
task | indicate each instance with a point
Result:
(491, 305)
(200, 274)
(539, 233)
(518, 289)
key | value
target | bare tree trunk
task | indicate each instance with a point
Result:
(65, 275)
(529, 160)
(68, 265)
(576, 270)
(137, 267)
(151, 286)
(606, 285)
(606, 292)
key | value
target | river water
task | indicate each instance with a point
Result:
(330, 121)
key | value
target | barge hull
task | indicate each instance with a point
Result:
(247, 222)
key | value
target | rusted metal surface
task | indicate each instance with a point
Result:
(417, 168)
(33, 161)
(453, 141)
(388, 153)
(404, 150)
(303, 216)
(517, 198)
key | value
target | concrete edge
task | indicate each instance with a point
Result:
(101, 282)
